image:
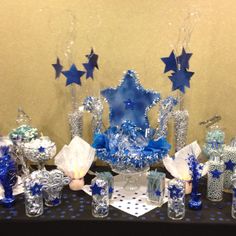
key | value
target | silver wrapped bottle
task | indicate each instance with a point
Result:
(176, 199)
(215, 178)
(100, 197)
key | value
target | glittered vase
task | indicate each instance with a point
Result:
(156, 187)
(33, 199)
(215, 179)
(229, 158)
(100, 197)
(176, 199)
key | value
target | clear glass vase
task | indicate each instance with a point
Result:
(176, 199)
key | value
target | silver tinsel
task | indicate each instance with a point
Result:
(95, 107)
(181, 119)
(165, 113)
(76, 122)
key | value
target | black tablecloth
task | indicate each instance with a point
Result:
(74, 216)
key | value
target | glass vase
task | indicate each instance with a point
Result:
(215, 178)
(176, 199)
(156, 187)
(100, 197)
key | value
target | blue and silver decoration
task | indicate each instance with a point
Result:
(100, 197)
(156, 187)
(215, 178)
(195, 168)
(176, 199)
(8, 176)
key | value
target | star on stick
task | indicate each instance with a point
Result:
(170, 62)
(58, 68)
(73, 75)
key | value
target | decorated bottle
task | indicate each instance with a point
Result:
(233, 209)
(100, 197)
(176, 199)
(109, 177)
(156, 187)
(215, 178)
(33, 198)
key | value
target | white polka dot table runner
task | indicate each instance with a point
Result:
(132, 202)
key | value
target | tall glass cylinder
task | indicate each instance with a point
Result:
(215, 179)
(33, 198)
(100, 197)
(176, 199)
(156, 187)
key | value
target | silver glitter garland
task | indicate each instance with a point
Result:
(181, 119)
(95, 107)
(165, 113)
(76, 122)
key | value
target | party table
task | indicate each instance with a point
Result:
(74, 216)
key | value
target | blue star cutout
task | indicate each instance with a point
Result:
(234, 192)
(96, 189)
(216, 173)
(130, 88)
(229, 165)
(158, 193)
(175, 192)
(93, 59)
(55, 201)
(73, 75)
(41, 149)
(170, 62)
(129, 104)
(183, 59)
(58, 68)
(36, 189)
(110, 190)
(180, 79)
(89, 70)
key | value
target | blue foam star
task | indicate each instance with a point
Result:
(129, 104)
(158, 193)
(55, 201)
(175, 192)
(41, 149)
(96, 189)
(36, 189)
(111, 190)
(130, 88)
(229, 165)
(89, 70)
(216, 174)
(170, 62)
(58, 68)
(93, 59)
(180, 79)
(183, 59)
(73, 75)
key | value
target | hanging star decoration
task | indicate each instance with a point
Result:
(36, 189)
(96, 190)
(216, 174)
(175, 192)
(130, 101)
(58, 68)
(180, 76)
(73, 75)
(91, 64)
(229, 165)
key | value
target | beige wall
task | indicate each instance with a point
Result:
(126, 34)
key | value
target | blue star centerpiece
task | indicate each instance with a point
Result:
(130, 101)
(216, 174)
